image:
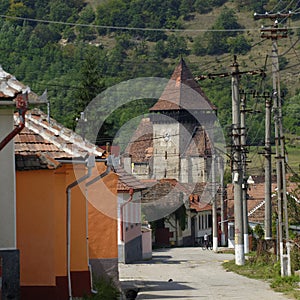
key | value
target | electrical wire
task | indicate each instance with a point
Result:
(126, 27)
(275, 7)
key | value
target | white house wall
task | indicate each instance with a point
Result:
(7, 184)
(130, 249)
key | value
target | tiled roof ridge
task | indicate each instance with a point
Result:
(74, 150)
(10, 87)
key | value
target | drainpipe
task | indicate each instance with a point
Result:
(131, 192)
(21, 105)
(109, 164)
(89, 183)
(90, 164)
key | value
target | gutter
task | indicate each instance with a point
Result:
(131, 192)
(21, 105)
(90, 163)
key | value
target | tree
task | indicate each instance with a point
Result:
(4, 6)
(198, 48)
(112, 13)
(217, 38)
(86, 16)
(19, 9)
(176, 46)
(186, 8)
(291, 113)
(238, 44)
(90, 80)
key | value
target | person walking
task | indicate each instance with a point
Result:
(206, 240)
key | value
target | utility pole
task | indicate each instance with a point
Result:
(236, 160)
(268, 169)
(222, 202)
(214, 204)
(274, 33)
(244, 171)
(237, 173)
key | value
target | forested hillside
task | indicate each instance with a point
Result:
(76, 49)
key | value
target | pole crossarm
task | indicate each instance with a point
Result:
(274, 33)
(227, 74)
(272, 16)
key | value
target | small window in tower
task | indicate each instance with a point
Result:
(165, 173)
(166, 154)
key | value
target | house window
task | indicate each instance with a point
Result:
(201, 222)
(186, 222)
(209, 220)
(140, 168)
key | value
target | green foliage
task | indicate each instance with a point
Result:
(4, 5)
(106, 290)
(139, 14)
(266, 267)
(253, 5)
(295, 254)
(217, 41)
(52, 56)
(205, 6)
(175, 46)
(198, 48)
(238, 44)
(259, 231)
(292, 115)
(256, 268)
(285, 284)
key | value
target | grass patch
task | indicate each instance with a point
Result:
(106, 290)
(267, 268)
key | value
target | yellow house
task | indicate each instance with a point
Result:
(59, 232)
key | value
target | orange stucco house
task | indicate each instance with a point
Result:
(61, 227)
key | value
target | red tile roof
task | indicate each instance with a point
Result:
(256, 192)
(48, 142)
(197, 205)
(128, 181)
(182, 92)
(176, 192)
(140, 146)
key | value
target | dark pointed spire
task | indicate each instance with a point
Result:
(182, 92)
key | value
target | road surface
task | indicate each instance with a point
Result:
(191, 273)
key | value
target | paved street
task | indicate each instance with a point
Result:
(191, 273)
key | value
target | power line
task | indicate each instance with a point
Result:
(128, 28)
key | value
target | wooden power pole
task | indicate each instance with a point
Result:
(237, 173)
(274, 33)
(244, 172)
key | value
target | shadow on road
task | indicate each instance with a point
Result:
(145, 286)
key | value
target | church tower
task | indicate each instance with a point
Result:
(181, 147)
